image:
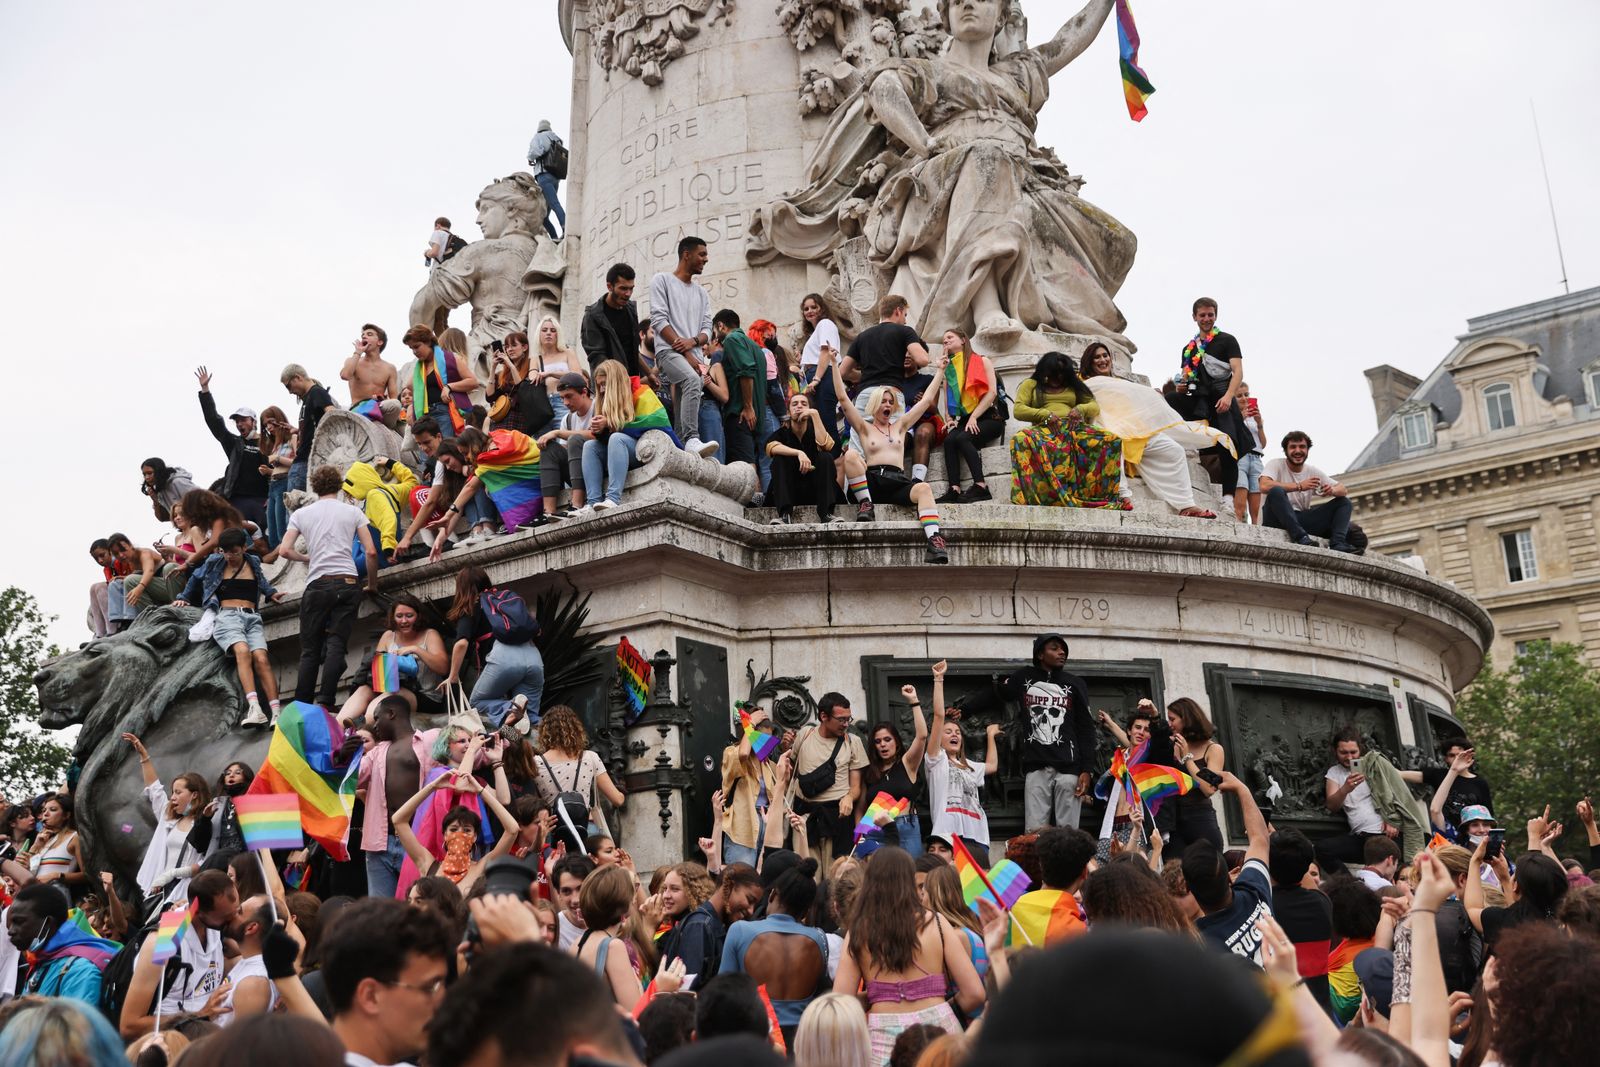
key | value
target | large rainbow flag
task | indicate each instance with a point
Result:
(633, 671)
(966, 382)
(648, 414)
(1136, 86)
(510, 471)
(1044, 917)
(300, 760)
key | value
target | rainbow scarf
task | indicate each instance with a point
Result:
(1136, 86)
(300, 760)
(510, 471)
(419, 387)
(882, 804)
(1194, 354)
(371, 408)
(1044, 917)
(966, 381)
(648, 414)
(633, 672)
(269, 820)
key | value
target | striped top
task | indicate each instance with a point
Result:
(58, 858)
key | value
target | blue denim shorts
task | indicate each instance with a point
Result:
(239, 624)
(1250, 471)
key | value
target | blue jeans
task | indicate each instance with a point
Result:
(440, 413)
(297, 479)
(480, 509)
(909, 827)
(711, 429)
(383, 868)
(277, 514)
(733, 852)
(510, 671)
(548, 183)
(769, 426)
(613, 458)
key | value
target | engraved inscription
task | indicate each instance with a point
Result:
(1313, 629)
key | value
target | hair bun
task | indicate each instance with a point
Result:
(807, 867)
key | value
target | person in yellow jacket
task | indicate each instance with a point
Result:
(381, 497)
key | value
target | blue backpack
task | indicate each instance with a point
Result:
(509, 618)
(359, 554)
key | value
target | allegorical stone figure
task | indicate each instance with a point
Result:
(934, 163)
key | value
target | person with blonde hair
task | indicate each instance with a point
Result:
(606, 901)
(833, 1033)
(554, 358)
(613, 445)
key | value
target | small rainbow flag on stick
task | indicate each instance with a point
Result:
(269, 820)
(633, 671)
(1136, 86)
(882, 804)
(385, 673)
(1004, 885)
(174, 924)
(1156, 783)
(762, 744)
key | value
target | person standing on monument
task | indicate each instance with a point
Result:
(543, 162)
(680, 313)
(244, 486)
(883, 355)
(1210, 371)
(744, 364)
(372, 378)
(610, 328)
(1058, 752)
(314, 402)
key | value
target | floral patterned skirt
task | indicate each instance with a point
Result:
(1069, 467)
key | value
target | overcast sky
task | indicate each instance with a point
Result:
(191, 183)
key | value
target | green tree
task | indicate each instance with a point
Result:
(29, 760)
(1537, 738)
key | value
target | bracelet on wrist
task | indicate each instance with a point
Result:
(1422, 911)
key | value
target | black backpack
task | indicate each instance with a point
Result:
(452, 246)
(555, 159)
(118, 973)
(570, 802)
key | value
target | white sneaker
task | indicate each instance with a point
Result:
(703, 448)
(255, 716)
(605, 505)
(584, 512)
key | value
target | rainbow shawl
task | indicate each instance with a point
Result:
(1344, 989)
(1136, 87)
(1044, 917)
(300, 760)
(966, 382)
(456, 402)
(371, 408)
(648, 414)
(510, 471)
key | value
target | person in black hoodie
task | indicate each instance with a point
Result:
(245, 485)
(1058, 752)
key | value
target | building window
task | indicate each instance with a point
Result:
(1416, 429)
(1533, 646)
(1521, 566)
(1497, 402)
(1591, 379)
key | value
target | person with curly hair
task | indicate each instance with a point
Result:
(566, 764)
(1544, 979)
(1130, 894)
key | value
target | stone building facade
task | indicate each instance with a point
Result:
(1488, 470)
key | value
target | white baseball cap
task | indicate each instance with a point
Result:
(243, 413)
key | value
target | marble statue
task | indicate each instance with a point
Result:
(640, 37)
(181, 698)
(510, 277)
(930, 174)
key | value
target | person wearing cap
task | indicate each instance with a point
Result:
(1457, 787)
(1476, 822)
(561, 449)
(243, 486)
(1058, 751)
(1374, 969)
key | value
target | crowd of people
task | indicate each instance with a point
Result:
(491, 914)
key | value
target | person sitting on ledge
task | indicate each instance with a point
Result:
(111, 568)
(883, 479)
(146, 581)
(506, 463)
(561, 449)
(381, 498)
(1302, 499)
(232, 584)
(973, 416)
(624, 408)
(802, 463)
(421, 662)
(1345, 789)
(1062, 460)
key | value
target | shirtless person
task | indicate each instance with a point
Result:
(400, 757)
(372, 379)
(882, 477)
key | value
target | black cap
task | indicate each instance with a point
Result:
(1374, 969)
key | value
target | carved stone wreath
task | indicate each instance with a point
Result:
(792, 703)
(861, 33)
(641, 37)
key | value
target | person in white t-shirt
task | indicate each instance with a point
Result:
(332, 593)
(820, 332)
(250, 991)
(1302, 499)
(438, 242)
(955, 785)
(1345, 789)
(561, 449)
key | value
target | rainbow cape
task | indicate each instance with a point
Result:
(882, 804)
(966, 381)
(1003, 885)
(1344, 988)
(169, 932)
(762, 744)
(1044, 917)
(419, 387)
(385, 672)
(633, 671)
(648, 414)
(1136, 86)
(509, 470)
(300, 760)
(269, 820)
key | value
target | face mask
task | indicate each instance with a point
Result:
(237, 789)
(1477, 839)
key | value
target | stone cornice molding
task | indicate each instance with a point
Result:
(1461, 480)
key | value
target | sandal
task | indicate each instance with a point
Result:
(1197, 513)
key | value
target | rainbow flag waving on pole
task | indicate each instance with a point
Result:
(300, 760)
(633, 671)
(1136, 86)
(1156, 783)
(1004, 885)
(882, 804)
(169, 932)
(269, 820)
(510, 472)
(761, 743)
(648, 414)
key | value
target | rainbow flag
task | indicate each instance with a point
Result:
(1155, 783)
(169, 932)
(1439, 841)
(1136, 86)
(966, 381)
(385, 673)
(1009, 881)
(648, 414)
(1004, 885)
(762, 744)
(1044, 917)
(269, 820)
(300, 760)
(882, 804)
(509, 470)
(633, 671)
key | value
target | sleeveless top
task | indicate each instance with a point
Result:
(897, 783)
(928, 987)
(57, 859)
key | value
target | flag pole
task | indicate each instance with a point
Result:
(1013, 917)
(271, 903)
